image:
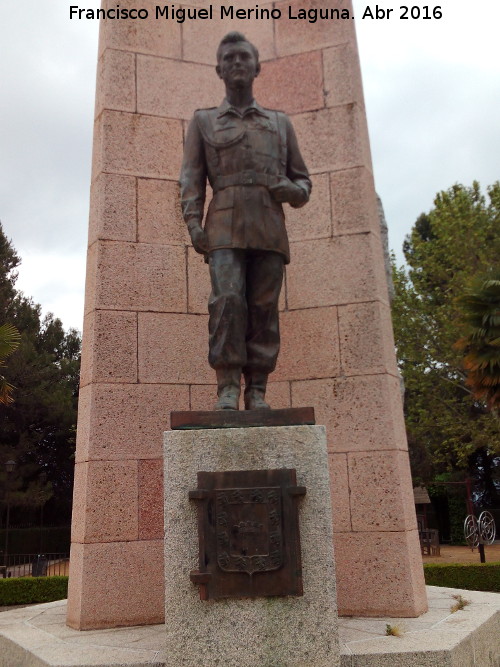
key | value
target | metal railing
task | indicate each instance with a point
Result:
(34, 565)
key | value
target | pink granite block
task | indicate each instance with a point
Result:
(292, 35)
(173, 348)
(200, 39)
(354, 203)
(364, 136)
(156, 36)
(293, 84)
(159, 213)
(282, 300)
(381, 491)
(115, 81)
(138, 145)
(105, 504)
(122, 583)
(126, 421)
(113, 208)
(333, 271)
(97, 149)
(109, 350)
(318, 393)
(203, 396)
(79, 508)
(332, 139)
(198, 282)
(342, 75)
(360, 413)
(196, 86)
(314, 221)
(90, 279)
(278, 394)
(141, 276)
(75, 587)
(339, 488)
(282, 304)
(379, 574)
(301, 332)
(366, 339)
(83, 423)
(151, 499)
(380, 276)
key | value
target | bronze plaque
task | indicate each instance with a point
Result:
(248, 534)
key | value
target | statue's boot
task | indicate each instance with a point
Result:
(228, 388)
(255, 391)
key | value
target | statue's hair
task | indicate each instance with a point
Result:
(232, 38)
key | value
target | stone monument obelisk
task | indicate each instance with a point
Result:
(146, 319)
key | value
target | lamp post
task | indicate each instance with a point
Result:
(43, 479)
(9, 469)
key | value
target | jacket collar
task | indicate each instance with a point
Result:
(226, 108)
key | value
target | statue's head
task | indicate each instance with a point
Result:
(237, 60)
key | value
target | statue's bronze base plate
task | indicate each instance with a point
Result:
(249, 544)
(199, 419)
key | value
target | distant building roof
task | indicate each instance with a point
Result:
(421, 496)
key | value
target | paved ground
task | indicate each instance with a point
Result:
(438, 637)
(465, 555)
(15, 606)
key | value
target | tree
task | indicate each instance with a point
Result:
(447, 424)
(37, 430)
(9, 340)
(481, 346)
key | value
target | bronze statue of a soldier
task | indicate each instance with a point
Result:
(252, 161)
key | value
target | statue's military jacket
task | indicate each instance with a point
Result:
(242, 155)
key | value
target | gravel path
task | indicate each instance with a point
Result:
(465, 555)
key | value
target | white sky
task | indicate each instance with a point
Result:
(432, 90)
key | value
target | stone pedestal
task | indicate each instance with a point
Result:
(285, 631)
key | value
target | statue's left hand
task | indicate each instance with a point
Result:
(199, 239)
(286, 191)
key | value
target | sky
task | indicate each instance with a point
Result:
(432, 93)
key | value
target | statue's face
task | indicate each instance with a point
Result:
(237, 65)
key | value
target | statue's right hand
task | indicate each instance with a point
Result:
(199, 239)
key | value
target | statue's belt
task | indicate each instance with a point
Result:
(247, 177)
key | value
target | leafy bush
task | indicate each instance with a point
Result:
(458, 512)
(468, 576)
(27, 590)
